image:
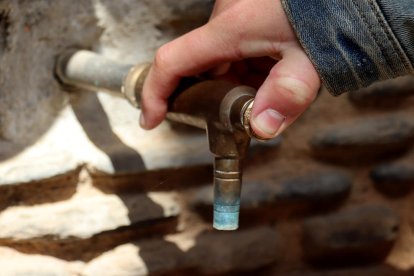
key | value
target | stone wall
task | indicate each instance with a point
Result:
(84, 191)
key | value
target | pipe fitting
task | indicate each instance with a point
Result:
(245, 117)
(134, 82)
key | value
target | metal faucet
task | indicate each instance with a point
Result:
(221, 108)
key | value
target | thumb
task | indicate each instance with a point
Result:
(289, 89)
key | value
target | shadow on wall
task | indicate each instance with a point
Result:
(94, 121)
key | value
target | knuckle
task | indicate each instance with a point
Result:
(296, 92)
(161, 57)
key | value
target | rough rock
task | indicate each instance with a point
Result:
(386, 93)
(360, 235)
(315, 188)
(395, 179)
(364, 139)
(84, 216)
(199, 254)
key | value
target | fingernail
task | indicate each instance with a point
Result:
(142, 121)
(269, 121)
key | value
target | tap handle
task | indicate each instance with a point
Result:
(134, 84)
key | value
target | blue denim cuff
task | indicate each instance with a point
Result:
(400, 15)
(349, 42)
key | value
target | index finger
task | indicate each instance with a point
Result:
(188, 55)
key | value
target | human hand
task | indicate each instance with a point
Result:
(238, 30)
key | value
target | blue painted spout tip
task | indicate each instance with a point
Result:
(226, 221)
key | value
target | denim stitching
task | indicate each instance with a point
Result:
(373, 34)
(390, 35)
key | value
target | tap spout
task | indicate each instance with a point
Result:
(227, 192)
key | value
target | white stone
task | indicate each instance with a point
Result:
(83, 216)
(13, 263)
(123, 260)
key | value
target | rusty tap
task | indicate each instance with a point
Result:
(221, 108)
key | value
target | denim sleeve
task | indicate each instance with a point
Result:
(353, 43)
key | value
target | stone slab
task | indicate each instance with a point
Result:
(364, 138)
(85, 215)
(394, 179)
(359, 235)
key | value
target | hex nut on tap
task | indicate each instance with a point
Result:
(245, 120)
(134, 83)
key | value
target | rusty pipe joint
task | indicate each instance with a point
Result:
(221, 108)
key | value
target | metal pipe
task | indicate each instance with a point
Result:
(222, 108)
(227, 191)
(90, 71)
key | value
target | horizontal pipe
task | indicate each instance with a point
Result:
(90, 71)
